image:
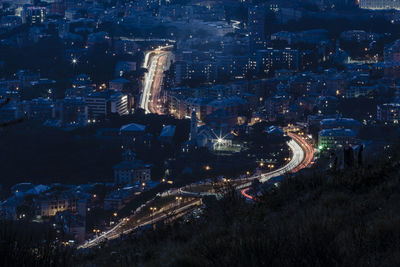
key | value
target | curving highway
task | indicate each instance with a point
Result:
(302, 156)
(308, 152)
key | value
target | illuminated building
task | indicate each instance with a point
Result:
(344, 123)
(389, 112)
(106, 102)
(380, 4)
(40, 109)
(73, 110)
(131, 170)
(392, 60)
(256, 26)
(274, 59)
(33, 14)
(50, 204)
(276, 106)
(335, 138)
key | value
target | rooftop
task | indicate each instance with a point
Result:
(395, 105)
(337, 132)
(336, 121)
(274, 130)
(168, 131)
(133, 127)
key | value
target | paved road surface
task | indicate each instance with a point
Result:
(156, 62)
(127, 225)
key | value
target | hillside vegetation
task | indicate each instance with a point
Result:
(349, 218)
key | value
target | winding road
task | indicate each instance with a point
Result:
(302, 156)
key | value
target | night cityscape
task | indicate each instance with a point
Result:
(199, 133)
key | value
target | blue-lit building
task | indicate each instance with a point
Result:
(336, 138)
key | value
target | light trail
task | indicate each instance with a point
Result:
(298, 156)
(303, 154)
(236, 24)
(118, 230)
(308, 151)
(244, 193)
(156, 62)
(146, 59)
(149, 40)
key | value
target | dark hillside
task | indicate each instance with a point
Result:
(347, 218)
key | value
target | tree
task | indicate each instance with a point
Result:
(360, 156)
(348, 157)
(11, 122)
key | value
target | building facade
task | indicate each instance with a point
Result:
(131, 171)
(380, 4)
(389, 113)
(335, 138)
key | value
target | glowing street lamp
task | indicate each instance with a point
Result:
(152, 209)
(271, 166)
(96, 231)
(74, 63)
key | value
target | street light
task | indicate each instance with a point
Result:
(152, 209)
(74, 63)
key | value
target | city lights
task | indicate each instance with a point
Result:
(127, 124)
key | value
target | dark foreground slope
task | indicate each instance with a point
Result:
(347, 218)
